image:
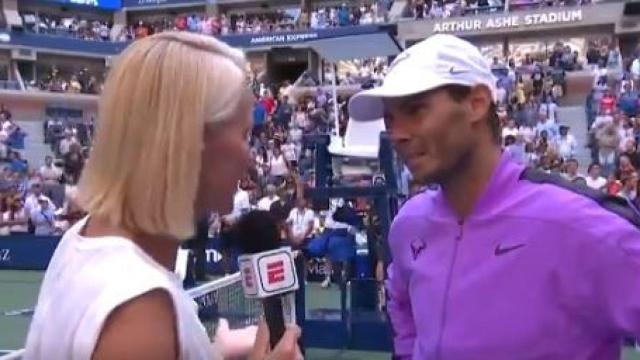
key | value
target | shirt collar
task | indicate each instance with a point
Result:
(505, 176)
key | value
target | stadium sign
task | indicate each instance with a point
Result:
(144, 3)
(272, 39)
(509, 21)
(295, 37)
(101, 4)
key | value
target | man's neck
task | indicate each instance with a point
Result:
(465, 188)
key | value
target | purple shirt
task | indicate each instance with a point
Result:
(536, 271)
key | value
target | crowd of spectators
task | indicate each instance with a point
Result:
(32, 200)
(40, 200)
(366, 72)
(533, 135)
(320, 18)
(434, 9)
(82, 81)
(283, 165)
(346, 14)
(612, 110)
(72, 26)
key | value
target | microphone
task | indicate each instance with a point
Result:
(266, 268)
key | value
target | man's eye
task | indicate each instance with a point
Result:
(413, 109)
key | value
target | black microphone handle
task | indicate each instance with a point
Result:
(272, 307)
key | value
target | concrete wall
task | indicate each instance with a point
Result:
(30, 106)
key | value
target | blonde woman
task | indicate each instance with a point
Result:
(170, 147)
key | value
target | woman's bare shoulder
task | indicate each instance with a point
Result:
(141, 328)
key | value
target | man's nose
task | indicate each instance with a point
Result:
(399, 130)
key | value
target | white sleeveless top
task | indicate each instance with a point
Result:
(86, 280)
(279, 166)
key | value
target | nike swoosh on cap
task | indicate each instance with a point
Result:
(455, 71)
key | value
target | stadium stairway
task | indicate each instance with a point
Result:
(35, 148)
(399, 9)
(578, 86)
(575, 118)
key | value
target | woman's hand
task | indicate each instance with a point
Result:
(234, 344)
(286, 349)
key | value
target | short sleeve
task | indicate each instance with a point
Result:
(94, 318)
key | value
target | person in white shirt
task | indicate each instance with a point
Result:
(548, 109)
(528, 134)
(510, 129)
(43, 217)
(14, 218)
(49, 172)
(501, 94)
(269, 198)
(567, 144)
(290, 152)
(241, 205)
(278, 166)
(594, 179)
(32, 201)
(603, 118)
(300, 223)
(110, 291)
(571, 168)
(66, 143)
(635, 73)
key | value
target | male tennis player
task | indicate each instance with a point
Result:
(501, 262)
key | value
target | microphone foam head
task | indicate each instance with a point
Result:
(256, 231)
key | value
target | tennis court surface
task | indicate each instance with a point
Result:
(19, 291)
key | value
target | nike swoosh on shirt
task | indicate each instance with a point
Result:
(501, 250)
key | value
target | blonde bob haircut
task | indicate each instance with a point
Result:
(144, 167)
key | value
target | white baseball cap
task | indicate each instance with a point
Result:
(437, 61)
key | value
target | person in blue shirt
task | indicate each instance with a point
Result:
(343, 15)
(16, 164)
(628, 101)
(259, 116)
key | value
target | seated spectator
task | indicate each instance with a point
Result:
(628, 101)
(278, 166)
(567, 144)
(73, 163)
(74, 85)
(16, 163)
(13, 219)
(66, 144)
(34, 196)
(300, 224)
(608, 140)
(269, 198)
(629, 187)
(594, 179)
(50, 173)
(43, 217)
(571, 171)
(510, 129)
(4, 112)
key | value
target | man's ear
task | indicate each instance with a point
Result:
(480, 100)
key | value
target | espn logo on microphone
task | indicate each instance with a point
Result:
(275, 272)
(268, 273)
